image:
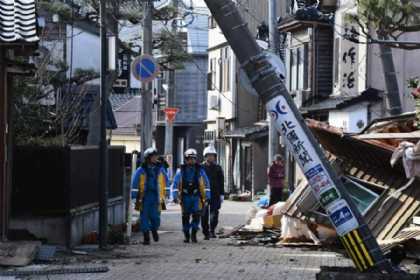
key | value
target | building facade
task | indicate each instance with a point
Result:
(236, 118)
(18, 38)
(334, 79)
(190, 89)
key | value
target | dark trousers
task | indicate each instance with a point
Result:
(276, 195)
(190, 221)
(210, 217)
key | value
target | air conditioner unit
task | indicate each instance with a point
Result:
(221, 125)
(214, 102)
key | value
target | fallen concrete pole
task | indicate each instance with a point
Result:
(263, 72)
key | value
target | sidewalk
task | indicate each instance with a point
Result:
(215, 259)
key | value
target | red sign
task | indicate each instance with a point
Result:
(170, 113)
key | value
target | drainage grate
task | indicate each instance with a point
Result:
(20, 273)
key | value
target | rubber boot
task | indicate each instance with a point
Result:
(155, 235)
(207, 236)
(146, 240)
(213, 234)
(186, 237)
(194, 236)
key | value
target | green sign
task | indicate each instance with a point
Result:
(329, 196)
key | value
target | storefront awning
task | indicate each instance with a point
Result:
(251, 132)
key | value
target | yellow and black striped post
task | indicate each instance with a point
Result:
(357, 250)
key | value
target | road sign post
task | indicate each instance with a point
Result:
(145, 68)
(170, 114)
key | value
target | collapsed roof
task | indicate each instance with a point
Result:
(366, 164)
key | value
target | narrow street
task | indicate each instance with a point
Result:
(215, 259)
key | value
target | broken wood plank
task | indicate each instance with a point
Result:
(232, 232)
(415, 135)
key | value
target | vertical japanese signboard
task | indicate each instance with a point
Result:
(350, 56)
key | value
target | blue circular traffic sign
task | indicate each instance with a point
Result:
(145, 68)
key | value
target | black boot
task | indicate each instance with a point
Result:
(187, 237)
(155, 235)
(207, 236)
(146, 240)
(194, 236)
(213, 234)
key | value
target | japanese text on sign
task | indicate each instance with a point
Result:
(288, 129)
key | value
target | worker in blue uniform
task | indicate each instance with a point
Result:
(191, 188)
(151, 181)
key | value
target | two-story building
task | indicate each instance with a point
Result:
(18, 40)
(334, 79)
(190, 94)
(236, 118)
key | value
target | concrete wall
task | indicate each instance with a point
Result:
(247, 108)
(53, 229)
(348, 118)
(406, 65)
(216, 37)
(86, 221)
(131, 143)
(83, 222)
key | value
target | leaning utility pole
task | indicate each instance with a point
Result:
(391, 82)
(103, 145)
(146, 88)
(354, 233)
(273, 135)
(170, 94)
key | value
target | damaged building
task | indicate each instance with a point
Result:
(387, 196)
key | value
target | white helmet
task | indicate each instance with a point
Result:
(150, 152)
(190, 153)
(209, 150)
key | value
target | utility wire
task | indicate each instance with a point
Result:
(204, 73)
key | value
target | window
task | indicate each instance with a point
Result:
(298, 68)
(336, 60)
(293, 69)
(224, 70)
(361, 196)
(220, 61)
(305, 66)
(211, 82)
(212, 23)
(226, 65)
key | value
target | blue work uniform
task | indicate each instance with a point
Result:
(191, 187)
(151, 182)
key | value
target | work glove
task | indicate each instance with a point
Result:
(137, 205)
(222, 198)
(163, 204)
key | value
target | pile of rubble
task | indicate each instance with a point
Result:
(271, 227)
